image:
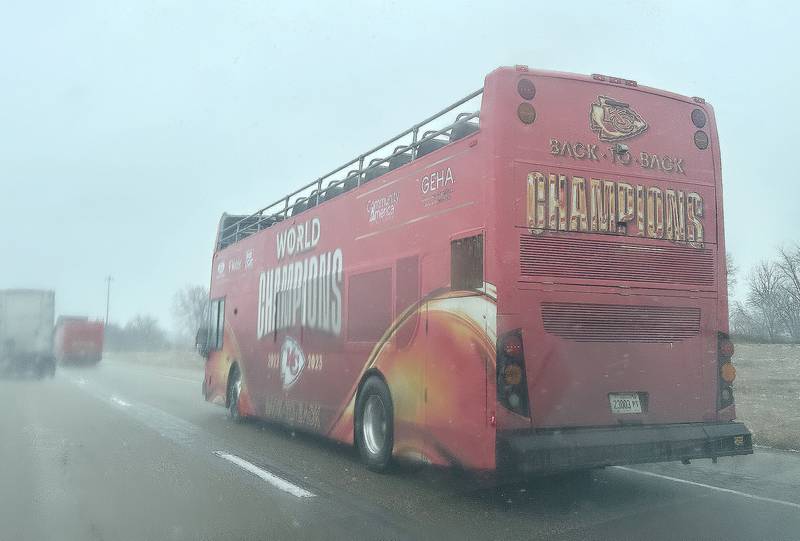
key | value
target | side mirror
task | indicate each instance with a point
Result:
(201, 342)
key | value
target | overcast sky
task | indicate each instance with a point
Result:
(126, 129)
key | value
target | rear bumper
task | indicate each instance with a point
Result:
(552, 450)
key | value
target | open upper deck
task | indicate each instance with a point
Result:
(670, 136)
(417, 141)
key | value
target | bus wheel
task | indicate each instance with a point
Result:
(374, 430)
(234, 390)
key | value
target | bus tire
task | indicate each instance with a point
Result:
(234, 391)
(374, 424)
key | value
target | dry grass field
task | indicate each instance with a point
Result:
(767, 391)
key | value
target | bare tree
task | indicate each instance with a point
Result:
(141, 333)
(742, 322)
(766, 290)
(190, 309)
(789, 307)
(732, 270)
(145, 333)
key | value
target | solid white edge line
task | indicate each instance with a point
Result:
(710, 487)
(776, 449)
(270, 478)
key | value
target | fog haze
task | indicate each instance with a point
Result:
(127, 129)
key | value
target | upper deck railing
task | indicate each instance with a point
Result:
(235, 228)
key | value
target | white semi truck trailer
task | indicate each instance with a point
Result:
(26, 332)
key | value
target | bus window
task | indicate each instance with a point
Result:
(369, 311)
(466, 263)
(217, 324)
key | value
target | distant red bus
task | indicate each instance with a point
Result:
(77, 340)
(537, 283)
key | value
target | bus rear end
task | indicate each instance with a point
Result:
(610, 271)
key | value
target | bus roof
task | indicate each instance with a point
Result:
(235, 228)
(606, 79)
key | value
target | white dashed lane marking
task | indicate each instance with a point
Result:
(274, 480)
(189, 435)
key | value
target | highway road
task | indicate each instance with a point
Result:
(124, 451)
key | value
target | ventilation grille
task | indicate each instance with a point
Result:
(617, 323)
(617, 261)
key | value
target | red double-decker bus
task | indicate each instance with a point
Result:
(533, 278)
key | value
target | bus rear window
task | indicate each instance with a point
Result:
(466, 263)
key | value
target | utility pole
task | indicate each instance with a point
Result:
(108, 295)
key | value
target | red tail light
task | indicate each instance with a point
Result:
(512, 346)
(512, 384)
(725, 346)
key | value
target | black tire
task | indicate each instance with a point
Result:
(234, 389)
(374, 425)
(44, 367)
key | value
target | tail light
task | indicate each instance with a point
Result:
(512, 384)
(727, 372)
(725, 346)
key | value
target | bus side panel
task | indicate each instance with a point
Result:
(439, 363)
(310, 321)
(460, 371)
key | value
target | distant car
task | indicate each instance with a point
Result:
(78, 340)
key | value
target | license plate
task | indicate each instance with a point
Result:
(625, 403)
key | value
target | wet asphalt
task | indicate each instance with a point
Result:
(124, 451)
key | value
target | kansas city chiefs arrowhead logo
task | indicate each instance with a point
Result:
(613, 120)
(293, 360)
